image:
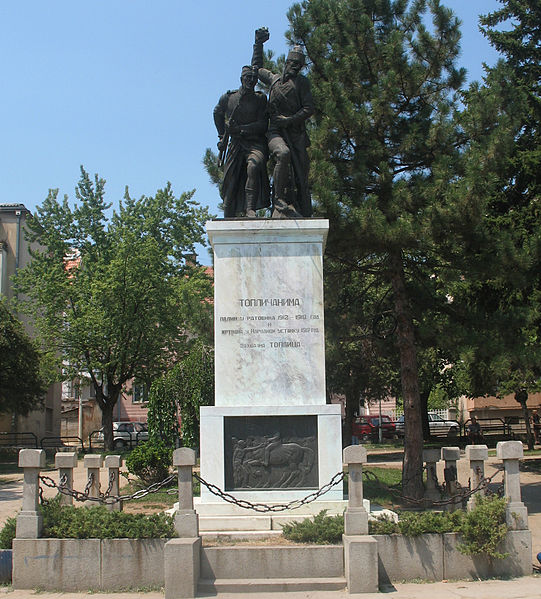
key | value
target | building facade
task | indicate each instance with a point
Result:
(15, 254)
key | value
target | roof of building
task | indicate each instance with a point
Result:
(13, 207)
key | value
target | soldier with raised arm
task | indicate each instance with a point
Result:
(290, 105)
(241, 121)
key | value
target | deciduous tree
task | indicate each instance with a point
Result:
(22, 384)
(106, 289)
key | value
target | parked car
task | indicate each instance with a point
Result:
(439, 427)
(126, 434)
(366, 427)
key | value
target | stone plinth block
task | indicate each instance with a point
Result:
(361, 563)
(182, 564)
(431, 455)
(186, 523)
(65, 459)
(450, 454)
(29, 525)
(184, 456)
(355, 454)
(356, 521)
(516, 516)
(93, 461)
(268, 311)
(113, 461)
(476, 453)
(509, 450)
(32, 458)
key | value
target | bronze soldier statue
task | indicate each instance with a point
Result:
(290, 105)
(241, 121)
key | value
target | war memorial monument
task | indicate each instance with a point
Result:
(270, 437)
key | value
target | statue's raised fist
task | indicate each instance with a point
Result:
(261, 35)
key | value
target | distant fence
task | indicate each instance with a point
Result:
(72, 443)
(19, 440)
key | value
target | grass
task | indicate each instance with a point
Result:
(154, 502)
(375, 489)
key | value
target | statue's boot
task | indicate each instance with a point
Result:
(250, 203)
(283, 210)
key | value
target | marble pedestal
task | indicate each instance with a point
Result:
(270, 437)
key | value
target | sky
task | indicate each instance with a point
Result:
(126, 88)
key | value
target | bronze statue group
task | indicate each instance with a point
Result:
(252, 128)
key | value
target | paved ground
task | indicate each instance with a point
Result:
(528, 587)
(523, 588)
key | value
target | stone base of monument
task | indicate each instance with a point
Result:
(270, 455)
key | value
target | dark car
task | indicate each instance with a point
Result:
(367, 427)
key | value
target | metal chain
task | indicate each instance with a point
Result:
(106, 498)
(278, 507)
(461, 496)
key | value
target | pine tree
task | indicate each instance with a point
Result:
(383, 154)
(503, 119)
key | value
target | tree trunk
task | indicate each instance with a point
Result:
(522, 397)
(424, 414)
(352, 405)
(412, 469)
(107, 404)
(107, 424)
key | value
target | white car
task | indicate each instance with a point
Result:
(126, 434)
(439, 427)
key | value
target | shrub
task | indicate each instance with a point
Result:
(97, 522)
(150, 461)
(382, 525)
(7, 534)
(413, 524)
(481, 529)
(323, 529)
(484, 528)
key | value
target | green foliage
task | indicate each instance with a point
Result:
(104, 291)
(384, 151)
(382, 525)
(379, 483)
(502, 121)
(484, 528)
(413, 524)
(323, 530)
(7, 534)
(192, 382)
(67, 522)
(150, 461)
(22, 383)
(162, 418)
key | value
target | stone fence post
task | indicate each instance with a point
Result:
(93, 463)
(477, 455)
(186, 519)
(451, 455)
(516, 513)
(431, 457)
(114, 463)
(360, 549)
(355, 518)
(66, 462)
(29, 520)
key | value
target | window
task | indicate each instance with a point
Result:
(139, 393)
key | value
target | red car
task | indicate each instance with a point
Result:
(366, 427)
